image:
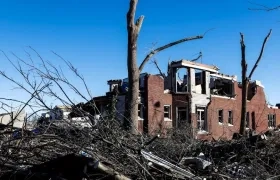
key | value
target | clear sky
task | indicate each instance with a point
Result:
(92, 35)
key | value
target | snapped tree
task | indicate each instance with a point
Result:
(246, 79)
(133, 30)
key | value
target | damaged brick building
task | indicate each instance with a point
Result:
(204, 100)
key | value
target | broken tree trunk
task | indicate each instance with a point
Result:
(246, 80)
(244, 86)
(133, 29)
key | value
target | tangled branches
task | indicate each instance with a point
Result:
(91, 148)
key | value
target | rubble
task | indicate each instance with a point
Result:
(108, 151)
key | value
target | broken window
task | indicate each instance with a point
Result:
(272, 120)
(230, 117)
(167, 111)
(200, 87)
(181, 80)
(221, 87)
(220, 116)
(247, 122)
(253, 120)
(201, 120)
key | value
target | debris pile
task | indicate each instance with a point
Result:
(108, 151)
(255, 157)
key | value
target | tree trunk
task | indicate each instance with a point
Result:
(133, 93)
(243, 106)
(132, 67)
(244, 87)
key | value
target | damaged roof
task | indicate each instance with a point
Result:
(196, 65)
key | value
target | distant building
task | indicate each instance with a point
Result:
(59, 112)
(13, 119)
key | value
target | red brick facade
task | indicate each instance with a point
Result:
(256, 107)
(158, 117)
(155, 101)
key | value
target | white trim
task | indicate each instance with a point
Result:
(234, 78)
(166, 91)
(221, 124)
(200, 106)
(202, 132)
(140, 119)
(224, 97)
(229, 124)
(272, 107)
(258, 83)
(167, 119)
(197, 66)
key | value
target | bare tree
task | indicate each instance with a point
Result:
(261, 7)
(246, 79)
(45, 82)
(133, 30)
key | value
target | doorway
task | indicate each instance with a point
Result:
(182, 117)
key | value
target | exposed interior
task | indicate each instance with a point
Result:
(221, 87)
(181, 76)
(200, 81)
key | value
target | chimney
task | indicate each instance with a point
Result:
(113, 83)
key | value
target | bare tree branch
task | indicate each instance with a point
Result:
(161, 73)
(73, 69)
(246, 80)
(199, 56)
(263, 7)
(153, 52)
(139, 23)
(261, 53)
(131, 14)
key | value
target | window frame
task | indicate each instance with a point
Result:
(272, 120)
(199, 121)
(165, 112)
(222, 116)
(247, 122)
(230, 118)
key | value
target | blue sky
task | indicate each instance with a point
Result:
(92, 35)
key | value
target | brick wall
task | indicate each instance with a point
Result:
(155, 101)
(257, 104)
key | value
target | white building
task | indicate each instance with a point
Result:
(14, 119)
(60, 112)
